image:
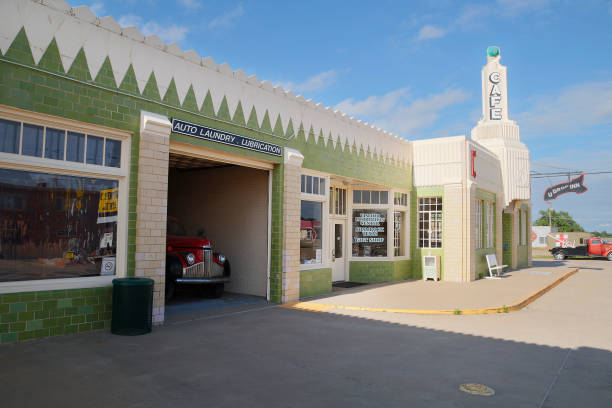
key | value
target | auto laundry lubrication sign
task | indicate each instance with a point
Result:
(219, 136)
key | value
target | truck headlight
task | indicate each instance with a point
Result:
(221, 258)
(190, 258)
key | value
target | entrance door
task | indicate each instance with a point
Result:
(339, 253)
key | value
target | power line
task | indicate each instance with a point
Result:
(536, 174)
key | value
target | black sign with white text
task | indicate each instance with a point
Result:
(214, 135)
(572, 186)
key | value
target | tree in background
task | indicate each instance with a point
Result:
(603, 233)
(561, 219)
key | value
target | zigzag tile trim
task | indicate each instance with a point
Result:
(79, 28)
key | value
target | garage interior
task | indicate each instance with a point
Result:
(230, 203)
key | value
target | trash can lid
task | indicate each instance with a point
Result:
(133, 281)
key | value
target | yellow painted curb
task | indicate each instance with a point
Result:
(321, 307)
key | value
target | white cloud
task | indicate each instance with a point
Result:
(315, 83)
(167, 33)
(429, 32)
(97, 8)
(396, 112)
(190, 4)
(573, 109)
(228, 19)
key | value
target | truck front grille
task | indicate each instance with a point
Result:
(202, 269)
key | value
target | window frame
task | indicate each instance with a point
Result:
(46, 165)
(478, 227)
(490, 220)
(430, 212)
(325, 222)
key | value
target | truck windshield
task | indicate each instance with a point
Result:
(175, 228)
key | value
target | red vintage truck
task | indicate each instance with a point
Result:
(595, 247)
(191, 260)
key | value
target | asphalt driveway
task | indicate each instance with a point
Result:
(264, 355)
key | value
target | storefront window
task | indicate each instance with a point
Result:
(56, 226)
(369, 232)
(310, 232)
(430, 222)
(398, 234)
(478, 223)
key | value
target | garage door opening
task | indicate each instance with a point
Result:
(228, 205)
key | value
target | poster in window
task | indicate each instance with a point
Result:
(369, 233)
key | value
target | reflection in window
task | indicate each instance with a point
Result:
(75, 147)
(95, 149)
(56, 226)
(32, 140)
(54, 144)
(310, 232)
(9, 136)
(112, 153)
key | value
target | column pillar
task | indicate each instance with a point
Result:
(152, 205)
(292, 210)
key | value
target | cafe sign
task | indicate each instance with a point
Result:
(219, 136)
(573, 186)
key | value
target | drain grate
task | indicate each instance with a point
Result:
(477, 389)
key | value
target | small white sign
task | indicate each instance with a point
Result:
(108, 266)
(319, 255)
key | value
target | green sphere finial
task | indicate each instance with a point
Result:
(493, 51)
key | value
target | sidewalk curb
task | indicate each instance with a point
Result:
(321, 307)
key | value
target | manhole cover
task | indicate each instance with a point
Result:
(477, 389)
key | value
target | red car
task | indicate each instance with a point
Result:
(191, 260)
(595, 247)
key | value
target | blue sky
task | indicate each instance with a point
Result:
(413, 68)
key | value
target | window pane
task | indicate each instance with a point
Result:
(357, 196)
(56, 226)
(331, 200)
(384, 197)
(54, 144)
(343, 202)
(9, 136)
(375, 197)
(365, 197)
(75, 147)
(315, 185)
(311, 233)
(369, 233)
(303, 190)
(112, 153)
(32, 140)
(309, 184)
(95, 148)
(322, 188)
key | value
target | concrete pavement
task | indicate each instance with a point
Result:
(419, 296)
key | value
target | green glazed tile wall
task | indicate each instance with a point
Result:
(418, 253)
(32, 315)
(379, 271)
(507, 221)
(315, 282)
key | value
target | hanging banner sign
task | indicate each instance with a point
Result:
(219, 136)
(572, 186)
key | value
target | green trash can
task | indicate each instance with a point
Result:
(132, 306)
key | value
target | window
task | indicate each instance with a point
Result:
(542, 240)
(369, 233)
(478, 224)
(370, 197)
(490, 221)
(523, 227)
(56, 226)
(58, 144)
(337, 201)
(400, 199)
(311, 232)
(430, 222)
(398, 234)
(313, 185)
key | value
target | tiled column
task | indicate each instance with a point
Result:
(291, 225)
(152, 203)
(453, 226)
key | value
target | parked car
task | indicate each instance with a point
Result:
(191, 260)
(595, 247)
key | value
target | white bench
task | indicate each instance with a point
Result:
(495, 270)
